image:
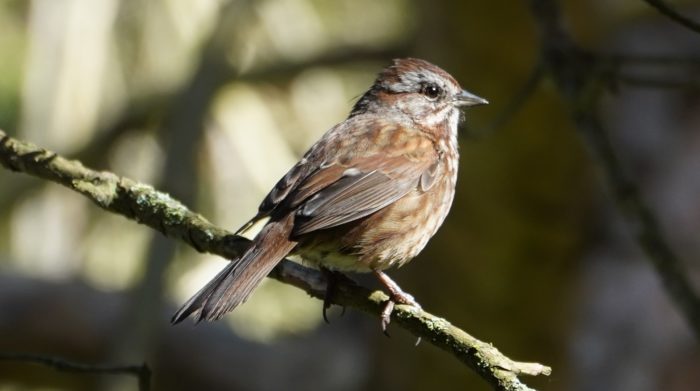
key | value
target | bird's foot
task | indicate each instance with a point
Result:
(396, 296)
(332, 279)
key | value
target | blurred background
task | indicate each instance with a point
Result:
(212, 101)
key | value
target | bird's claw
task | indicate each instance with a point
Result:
(332, 279)
(396, 298)
(386, 316)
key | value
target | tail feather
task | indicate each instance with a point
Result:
(195, 303)
(238, 279)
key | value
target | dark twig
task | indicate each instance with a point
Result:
(667, 10)
(141, 372)
(578, 79)
(157, 210)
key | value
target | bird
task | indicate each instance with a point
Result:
(367, 196)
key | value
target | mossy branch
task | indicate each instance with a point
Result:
(144, 204)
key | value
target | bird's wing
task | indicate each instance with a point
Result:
(366, 169)
(353, 196)
(345, 192)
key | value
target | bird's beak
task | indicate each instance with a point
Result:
(466, 98)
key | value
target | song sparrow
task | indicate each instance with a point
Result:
(367, 196)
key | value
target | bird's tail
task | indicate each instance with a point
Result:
(238, 279)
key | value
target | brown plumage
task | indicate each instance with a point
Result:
(367, 196)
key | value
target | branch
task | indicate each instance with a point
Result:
(667, 10)
(159, 211)
(141, 372)
(579, 82)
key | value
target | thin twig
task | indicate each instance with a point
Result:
(579, 82)
(141, 372)
(667, 10)
(157, 210)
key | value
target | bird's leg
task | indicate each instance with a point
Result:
(332, 279)
(397, 296)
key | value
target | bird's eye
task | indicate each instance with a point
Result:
(431, 91)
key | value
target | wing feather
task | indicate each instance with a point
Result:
(357, 168)
(355, 196)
